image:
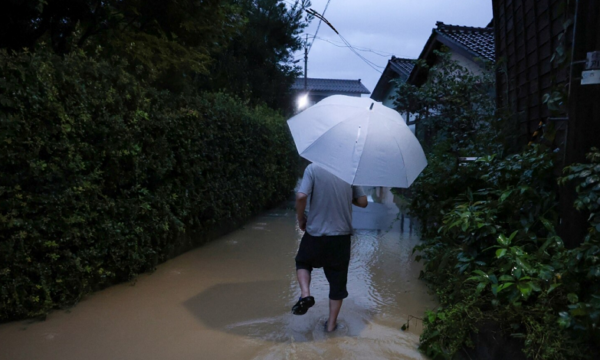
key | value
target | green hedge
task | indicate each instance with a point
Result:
(101, 175)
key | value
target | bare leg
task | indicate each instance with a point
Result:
(334, 310)
(304, 281)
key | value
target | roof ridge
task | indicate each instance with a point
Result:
(394, 58)
(309, 78)
(441, 26)
(336, 85)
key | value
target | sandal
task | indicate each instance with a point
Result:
(303, 305)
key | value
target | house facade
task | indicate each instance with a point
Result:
(471, 47)
(397, 69)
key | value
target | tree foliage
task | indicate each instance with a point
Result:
(257, 63)
(453, 104)
(196, 26)
(239, 46)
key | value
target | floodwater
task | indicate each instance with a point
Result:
(231, 299)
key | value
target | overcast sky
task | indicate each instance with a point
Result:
(398, 27)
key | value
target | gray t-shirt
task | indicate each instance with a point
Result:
(330, 202)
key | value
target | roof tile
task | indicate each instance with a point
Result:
(402, 66)
(478, 40)
(335, 85)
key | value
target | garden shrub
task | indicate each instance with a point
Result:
(496, 255)
(490, 246)
(101, 174)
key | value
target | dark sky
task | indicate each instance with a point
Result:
(398, 27)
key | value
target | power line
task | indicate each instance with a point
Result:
(376, 52)
(354, 50)
(318, 26)
(367, 61)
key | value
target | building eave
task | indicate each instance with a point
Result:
(383, 83)
(433, 43)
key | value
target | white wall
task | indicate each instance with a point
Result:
(386, 100)
(467, 63)
(390, 103)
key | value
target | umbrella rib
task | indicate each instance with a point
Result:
(328, 130)
(360, 159)
(308, 148)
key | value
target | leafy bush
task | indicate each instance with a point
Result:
(101, 174)
(588, 176)
(526, 281)
(583, 270)
(455, 116)
(490, 248)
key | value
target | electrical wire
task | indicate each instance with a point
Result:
(373, 65)
(367, 61)
(318, 27)
(376, 52)
(354, 50)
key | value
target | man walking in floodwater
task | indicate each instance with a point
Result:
(326, 241)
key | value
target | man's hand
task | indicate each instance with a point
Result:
(302, 223)
(300, 207)
(360, 202)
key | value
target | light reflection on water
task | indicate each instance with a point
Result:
(231, 299)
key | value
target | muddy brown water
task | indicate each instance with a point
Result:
(231, 299)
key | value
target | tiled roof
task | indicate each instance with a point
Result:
(402, 66)
(397, 68)
(333, 85)
(478, 40)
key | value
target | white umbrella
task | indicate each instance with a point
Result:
(360, 141)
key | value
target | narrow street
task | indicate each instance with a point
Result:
(231, 299)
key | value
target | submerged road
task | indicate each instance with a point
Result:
(231, 299)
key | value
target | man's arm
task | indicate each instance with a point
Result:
(300, 207)
(360, 201)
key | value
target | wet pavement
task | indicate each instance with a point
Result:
(231, 299)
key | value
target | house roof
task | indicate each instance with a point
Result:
(401, 66)
(472, 42)
(478, 40)
(395, 68)
(331, 85)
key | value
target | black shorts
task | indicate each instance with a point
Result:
(332, 253)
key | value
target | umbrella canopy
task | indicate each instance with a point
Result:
(360, 141)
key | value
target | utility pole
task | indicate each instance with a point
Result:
(303, 100)
(305, 63)
(320, 17)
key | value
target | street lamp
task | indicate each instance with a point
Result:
(302, 101)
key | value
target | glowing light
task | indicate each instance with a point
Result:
(302, 101)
